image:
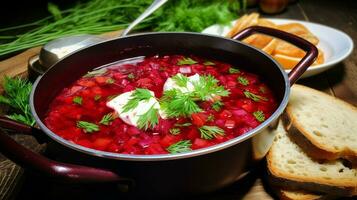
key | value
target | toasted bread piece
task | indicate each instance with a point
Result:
(289, 167)
(301, 195)
(324, 126)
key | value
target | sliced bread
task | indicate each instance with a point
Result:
(301, 195)
(324, 126)
(289, 167)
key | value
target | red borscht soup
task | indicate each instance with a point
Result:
(159, 105)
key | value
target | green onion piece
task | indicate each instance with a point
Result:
(186, 61)
(254, 97)
(95, 73)
(209, 63)
(233, 70)
(77, 100)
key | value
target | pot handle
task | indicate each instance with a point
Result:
(60, 171)
(305, 62)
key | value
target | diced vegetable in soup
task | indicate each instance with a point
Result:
(159, 105)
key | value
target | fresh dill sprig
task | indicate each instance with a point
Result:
(259, 115)
(87, 127)
(95, 73)
(149, 119)
(176, 104)
(175, 131)
(77, 100)
(233, 70)
(16, 96)
(217, 105)
(186, 61)
(106, 119)
(180, 80)
(138, 95)
(254, 97)
(210, 132)
(207, 86)
(131, 76)
(210, 118)
(180, 147)
(242, 80)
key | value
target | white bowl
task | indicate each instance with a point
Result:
(335, 44)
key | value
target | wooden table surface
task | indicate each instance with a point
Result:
(340, 81)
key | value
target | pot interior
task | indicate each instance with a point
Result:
(72, 67)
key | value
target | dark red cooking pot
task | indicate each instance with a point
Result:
(198, 171)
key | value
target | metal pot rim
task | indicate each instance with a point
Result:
(161, 157)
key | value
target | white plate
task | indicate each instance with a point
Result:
(335, 44)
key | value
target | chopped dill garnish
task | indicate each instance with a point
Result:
(175, 131)
(110, 81)
(138, 95)
(233, 70)
(180, 147)
(242, 80)
(186, 61)
(149, 119)
(77, 100)
(209, 63)
(217, 105)
(183, 125)
(254, 97)
(208, 86)
(259, 115)
(110, 97)
(176, 104)
(210, 132)
(97, 97)
(87, 126)
(131, 76)
(95, 73)
(180, 80)
(210, 118)
(106, 119)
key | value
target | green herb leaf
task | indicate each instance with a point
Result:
(110, 97)
(87, 126)
(97, 97)
(210, 118)
(95, 73)
(210, 132)
(176, 104)
(77, 100)
(183, 125)
(242, 80)
(55, 11)
(106, 119)
(207, 86)
(254, 97)
(180, 80)
(259, 115)
(180, 147)
(138, 95)
(131, 76)
(217, 105)
(110, 81)
(16, 95)
(149, 119)
(262, 89)
(175, 131)
(186, 61)
(209, 63)
(233, 70)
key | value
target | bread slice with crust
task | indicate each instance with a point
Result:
(289, 167)
(324, 126)
(301, 195)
